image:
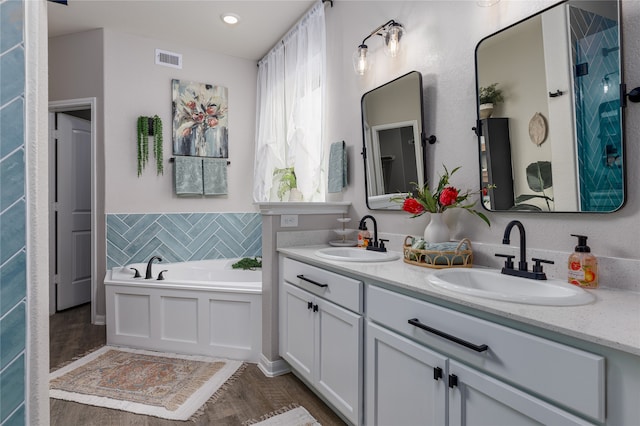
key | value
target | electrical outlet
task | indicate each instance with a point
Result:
(289, 220)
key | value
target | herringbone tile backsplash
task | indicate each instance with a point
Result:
(179, 237)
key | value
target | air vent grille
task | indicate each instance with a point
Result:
(168, 59)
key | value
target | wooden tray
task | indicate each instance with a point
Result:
(439, 259)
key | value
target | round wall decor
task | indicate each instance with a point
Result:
(537, 129)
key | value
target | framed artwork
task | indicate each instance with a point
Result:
(199, 119)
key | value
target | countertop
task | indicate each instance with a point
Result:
(612, 320)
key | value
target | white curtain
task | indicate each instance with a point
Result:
(290, 110)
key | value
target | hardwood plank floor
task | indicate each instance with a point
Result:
(251, 396)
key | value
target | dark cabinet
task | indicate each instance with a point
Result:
(495, 153)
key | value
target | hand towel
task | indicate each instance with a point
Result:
(337, 175)
(215, 176)
(188, 175)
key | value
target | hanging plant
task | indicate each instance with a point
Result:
(157, 144)
(144, 125)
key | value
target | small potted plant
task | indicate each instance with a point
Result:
(488, 97)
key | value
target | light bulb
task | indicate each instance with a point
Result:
(392, 40)
(605, 84)
(361, 63)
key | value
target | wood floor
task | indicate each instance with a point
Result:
(251, 396)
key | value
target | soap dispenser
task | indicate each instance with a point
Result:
(363, 234)
(583, 266)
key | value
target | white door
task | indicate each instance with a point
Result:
(339, 368)
(479, 400)
(404, 381)
(72, 210)
(298, 340)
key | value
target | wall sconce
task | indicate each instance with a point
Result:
(392, 32)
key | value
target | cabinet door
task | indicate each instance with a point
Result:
(403, 386)
(478, 399)
(339, 367)
(298, 330)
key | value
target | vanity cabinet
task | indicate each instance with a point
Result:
(321, 333)
(463, 370)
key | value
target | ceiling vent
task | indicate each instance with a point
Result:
(168, 59)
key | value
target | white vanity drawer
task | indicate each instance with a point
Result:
(571, 377)
(336, 288)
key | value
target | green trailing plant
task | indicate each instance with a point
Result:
(157, 145)
(143, 142)
(490, 94)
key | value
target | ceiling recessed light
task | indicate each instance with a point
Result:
(230, 18)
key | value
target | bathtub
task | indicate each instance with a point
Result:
(201, 308)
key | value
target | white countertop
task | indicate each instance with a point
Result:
(612, 320)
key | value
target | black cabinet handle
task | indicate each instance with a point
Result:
(478, 348)
(437, 373)
(302, 277)
(315, 308)
(556, 94)
(309, 305)
(453, 381)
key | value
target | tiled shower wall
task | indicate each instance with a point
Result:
(179, 237)
(12, 214)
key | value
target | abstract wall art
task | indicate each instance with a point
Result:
(199, 119)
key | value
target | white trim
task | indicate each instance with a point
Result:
(100, 320)
(275, 208)
(273, 368)
(36, 220)
(69, 105)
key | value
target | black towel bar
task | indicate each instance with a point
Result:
(173, 159)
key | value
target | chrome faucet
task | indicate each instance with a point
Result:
(148, 275)
(376, 245)
(522, 271)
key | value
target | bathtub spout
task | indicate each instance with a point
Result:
(148, 275)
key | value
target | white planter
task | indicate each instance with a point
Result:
(486, 110)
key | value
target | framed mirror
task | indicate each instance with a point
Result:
(554, 142)
(393, 141)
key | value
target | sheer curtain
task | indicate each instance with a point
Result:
(290, 109)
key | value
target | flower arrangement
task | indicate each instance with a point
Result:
(444, 197)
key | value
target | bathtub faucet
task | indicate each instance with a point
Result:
(148, 275)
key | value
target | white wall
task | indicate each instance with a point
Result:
(135, 86)
(440, 42)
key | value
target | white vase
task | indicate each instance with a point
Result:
(437, 231)
(486, 110)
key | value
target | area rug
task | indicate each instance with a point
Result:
(292, 415)
(168, 386)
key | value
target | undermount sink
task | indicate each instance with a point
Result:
(353, 254)
(491, 284)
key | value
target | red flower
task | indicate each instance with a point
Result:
(412, 206)
(448, 196)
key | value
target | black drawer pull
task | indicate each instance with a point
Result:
(478, 348)
(302, 277)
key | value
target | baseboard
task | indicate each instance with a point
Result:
(273, 368)
(100, 320)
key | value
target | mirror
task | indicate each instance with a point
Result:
(393, 151)
(555, 142)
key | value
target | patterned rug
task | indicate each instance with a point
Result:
(292, 415)
(168, 386)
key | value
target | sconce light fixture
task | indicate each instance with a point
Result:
(391, 32)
